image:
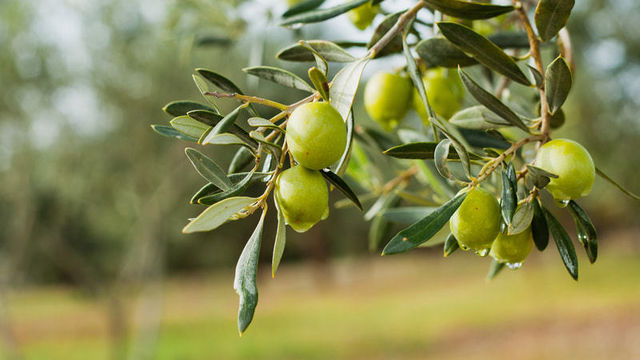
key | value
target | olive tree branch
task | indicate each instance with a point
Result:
(492, 165)
(534, 45)
(402, 22)
(248, 99)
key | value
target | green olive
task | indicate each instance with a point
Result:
(476, 223)
(445, 93)
(512, 249)
(387, 98)
(363, 15)
(302, 196)
(316, 135)
(573, 165)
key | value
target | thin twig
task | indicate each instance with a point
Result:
(493, 164)
(403, 20)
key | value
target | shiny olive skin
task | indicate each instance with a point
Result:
(512, 249)
(302, 196)
(476, 223)
(316, 135)
(445, 93)
(387, 98)
(573, 165)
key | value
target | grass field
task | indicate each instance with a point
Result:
(414, 306)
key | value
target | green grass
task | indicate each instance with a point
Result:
(407, 306)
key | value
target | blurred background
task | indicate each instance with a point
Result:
(93, 264)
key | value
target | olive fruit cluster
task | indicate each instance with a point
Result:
(316, 137)
(388, 97)
(476, 223)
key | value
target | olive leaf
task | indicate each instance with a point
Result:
(483, 50)
(539, 177)
(522, 219)
(279, 76)
(223, 125)
(218, 214)
(494, 269)
(437, 51)
(490, 101)
(419, 150)
(344, 86)
(241, 158)
(182, 107)
(450, 245)
(246, 275)
(327, 49)
(337, 181)
(468, 9)
(318, 15)
(343, 163)
(320, 82)
(189, 126)
(558, 80)
(224, 84)
(205, 116)
(280, 241)
(208, 169)
(303, 6)
(563, 242)
(539, 227)
(170, 132)
(509, 197)
(235, 190)
(585, 229)
(478, 118)
(551, 16)
(423, 230)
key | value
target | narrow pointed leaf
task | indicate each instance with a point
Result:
(261, 122)
(323, 66)
(280, 242)
(537, 77)
(494, 269)
(538, 177)
(279, 76)
(468, 9)
(441, 153)
(614, 183)
(509, 197)
(189, 126)
(558, 82)
(224, 125)
(424, 229)
(343, 163)
(450, 245)
(241, 158)
(170, 132)
(478, 118)
(320, 82)
(344, 86)
(337, 181)
(246, 276)
(208, 169)
(491, 102)
(205, 116)
(586, 230)
(223, 84)
(563, 242)
(303, 6)
(328, 50)
(539, 227)
(418, 150)
(235, 190)
(182, 107)
(318, 15)
(522, 219)
(483, 50)
(551, 16)
(218, 214)
(204, 191)
(441, 52)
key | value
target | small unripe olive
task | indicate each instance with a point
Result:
(573, 165)
(316, 135)
(512, 249)
(387, 98)
(445, 93)
(476, 223)
(363, 15)
(302, 196)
